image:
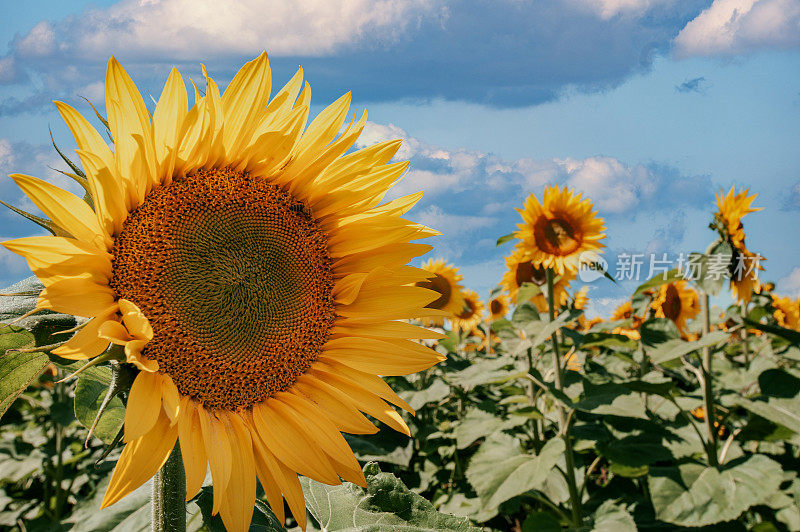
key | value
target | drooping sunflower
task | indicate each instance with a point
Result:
(246, 265)
(556, 231)
(521, 270)
(787, 312)
(580, 300)
(678, 302)
(445, 281)
(498, 307)
(472, 311)
(744, 265)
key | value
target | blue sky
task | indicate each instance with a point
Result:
(648, 106)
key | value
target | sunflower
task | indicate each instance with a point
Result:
(445, 281)
(520, 270)
(744, 265)
(472, 311)
(625, 312)
(244, 262)
(555, 232)
(498, 307)
(479, 343)
(678, 302)
(787, 312)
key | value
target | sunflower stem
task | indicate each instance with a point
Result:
(563, 420)
(169, 492)
(745, 347)
(707, 384)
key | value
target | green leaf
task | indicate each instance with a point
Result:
(131, 514)
(385, 446)
(541, 522)
(788, 334)
(484, 371)
(505, 238)
(434, 393)
(524, 314)
(610, 399)
(657, 331)
(711, 270)
(500, 469)
(694, 495)
(43, 324)
(602, 339)
(385, 505)
(526, 292)
(538, 332)
(784, 412)
(17, 370)
(658, 280)
(611, 516)
(89, 394)
(672, 349)
(477, 424)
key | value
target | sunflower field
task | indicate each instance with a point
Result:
(217, 334)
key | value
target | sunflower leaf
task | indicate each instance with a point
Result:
(386, 505)
(505, 238)
(694, 495)
(90, 392)
(17, 370)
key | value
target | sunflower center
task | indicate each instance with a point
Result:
(672, 303)
(438, 283)
(526, 273)
(495, 307)
(236, 281)
(557, 236)
(468, 311)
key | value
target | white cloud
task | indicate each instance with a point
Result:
(452, 225)
(193, 29)
(614, 186)
(603, 306)
(607, 9)
(731, 27)
(40, 41)
(789, 285)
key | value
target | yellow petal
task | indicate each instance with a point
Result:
(335, 404)
(170, 398)
(388, 329)
(136, 323)
(87, 342)
(67, 210)
(291, 446)
(167, 120)
(316, 426)
(78, 296)
(245, 96)
(219, 452)
(141, 459)
(128, 117)
(285, 478)
(133, 355)
(193, 450)
(381, 357)
(114, 332)
(364, 400)
(239, 498)
(369, 381)
(144, 405)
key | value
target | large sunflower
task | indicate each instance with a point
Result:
(556, 231)
(445, 281)
(520, 270)
(744, 265)
(244, 262)
(678, 302)
(470, 314)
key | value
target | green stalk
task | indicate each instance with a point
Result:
(563, 423)
(745, 347)
(169, 494)
(707, 385)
